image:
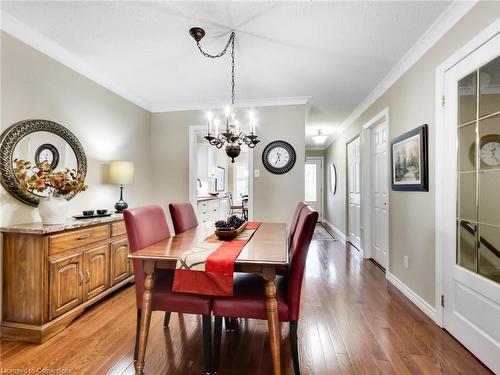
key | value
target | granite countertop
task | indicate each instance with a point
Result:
(38, 228)
(209, 197)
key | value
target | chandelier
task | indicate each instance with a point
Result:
(231, 136)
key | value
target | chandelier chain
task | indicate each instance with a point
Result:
(220, 54)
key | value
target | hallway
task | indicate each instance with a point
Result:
(352, 322)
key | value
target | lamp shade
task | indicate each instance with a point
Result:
(121, 172)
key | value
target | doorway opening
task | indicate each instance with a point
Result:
(313, 179)
(211, 172)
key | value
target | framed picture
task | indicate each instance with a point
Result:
(409, 161)
(220, 179)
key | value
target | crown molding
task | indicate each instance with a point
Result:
(436, 31)
(18, 29)
(248, 103)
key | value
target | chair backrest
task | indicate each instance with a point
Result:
(145, 226)
(295, 220)
(302, 239)
(183, 216)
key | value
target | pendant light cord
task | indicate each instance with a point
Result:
(222, 53)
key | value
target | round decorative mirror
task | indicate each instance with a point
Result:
(332, 178)
(38, 141)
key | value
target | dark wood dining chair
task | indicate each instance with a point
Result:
(146, 226)
(249, 300)
(183, 216)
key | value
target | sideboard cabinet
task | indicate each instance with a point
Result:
(52, 273)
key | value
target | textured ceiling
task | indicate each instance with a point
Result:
(335, 52)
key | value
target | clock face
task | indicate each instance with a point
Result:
(47, 153)
(489, 151)
(278, 157)
(490, 154)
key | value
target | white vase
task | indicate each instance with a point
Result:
(53, 210)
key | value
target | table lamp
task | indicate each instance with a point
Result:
(121, 173)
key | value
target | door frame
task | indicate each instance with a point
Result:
(366, 184)
(193, 129)
(440, 195)
(322, 160)
(350, 140)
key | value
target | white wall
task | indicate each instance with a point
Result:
(411, 103)
(108, 126)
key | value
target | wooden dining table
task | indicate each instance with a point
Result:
(266, 250)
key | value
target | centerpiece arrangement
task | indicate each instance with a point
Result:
(230, 228)
(40, 178)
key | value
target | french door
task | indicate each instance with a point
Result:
(314, 184)
(472, 214)
(354, 193)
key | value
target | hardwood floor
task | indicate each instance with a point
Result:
(352, 322)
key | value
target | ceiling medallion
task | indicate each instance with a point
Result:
(231, 136)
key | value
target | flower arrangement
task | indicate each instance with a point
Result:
(40, 177)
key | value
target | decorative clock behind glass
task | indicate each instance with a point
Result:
(47, 153)
(489, 151)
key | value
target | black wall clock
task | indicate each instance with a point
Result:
(48, 153)
(278, 157)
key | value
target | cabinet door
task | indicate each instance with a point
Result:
(119, 261)
(66, 284)
(96, 262)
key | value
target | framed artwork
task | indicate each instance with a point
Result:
(332, 171)
(409, 161)
(220, 179)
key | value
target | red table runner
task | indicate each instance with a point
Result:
(208, 268)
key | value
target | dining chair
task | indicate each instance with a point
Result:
(146, 226)
(249, 299)
(234, 208)
(283, 270)
(183, 216)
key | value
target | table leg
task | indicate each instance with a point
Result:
(272, 320)
(147, 304)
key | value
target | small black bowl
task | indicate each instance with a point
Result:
(88, 212)
(102, 212)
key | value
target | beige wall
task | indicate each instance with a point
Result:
(411, 103)
(108, 126)
(273, 194)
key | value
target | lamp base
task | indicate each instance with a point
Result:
(121, 204)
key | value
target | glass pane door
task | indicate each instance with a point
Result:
(478, 135)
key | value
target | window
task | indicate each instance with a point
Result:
(240, 180)
(310, 180)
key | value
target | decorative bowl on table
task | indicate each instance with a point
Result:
(229, 229)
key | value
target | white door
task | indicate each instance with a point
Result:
(314, 184)
(380, 197)
(471, 149)
(354, 198)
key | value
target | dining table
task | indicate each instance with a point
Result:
(266, 250)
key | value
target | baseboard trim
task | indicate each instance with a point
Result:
(426, 308)
(337, 231)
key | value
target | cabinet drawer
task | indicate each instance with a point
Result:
(117, 229)
(77, 238)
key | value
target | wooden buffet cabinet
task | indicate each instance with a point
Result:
(52, 273)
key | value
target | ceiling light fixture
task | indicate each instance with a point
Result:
(231, 136)
(320, 137)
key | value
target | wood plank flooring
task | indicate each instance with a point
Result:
(352, 322)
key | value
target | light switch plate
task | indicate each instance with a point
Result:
(256, 173)
(405, 261)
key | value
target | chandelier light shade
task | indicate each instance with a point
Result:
(319, 138)
(230, 136)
